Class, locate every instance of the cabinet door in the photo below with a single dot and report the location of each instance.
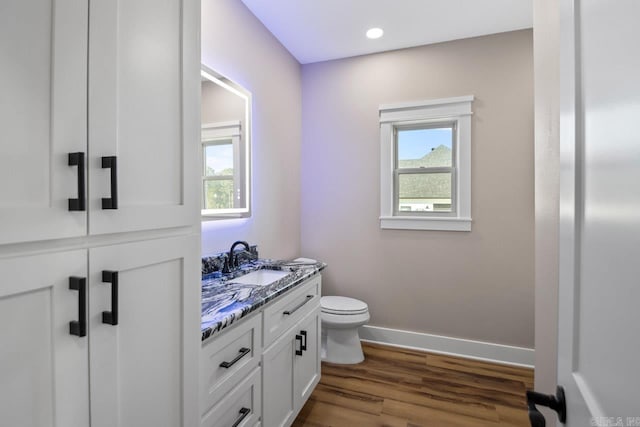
(144, 91)
(144, 368)
(43, 109)
(306, 368)
(44, 369)
(278, 400)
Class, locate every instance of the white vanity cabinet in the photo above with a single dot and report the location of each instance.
(291, 364)
(281, 343)
(291, 370)
(115, 85)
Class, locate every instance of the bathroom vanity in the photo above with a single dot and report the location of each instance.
(260, 357)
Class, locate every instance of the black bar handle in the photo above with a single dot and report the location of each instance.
(557, 403)
(243, 414)
(79, 204)
(79, 327)
(303, 344)
(243, 352)
(299, 352)
(298, 307)
(111, 162)
(111, 317)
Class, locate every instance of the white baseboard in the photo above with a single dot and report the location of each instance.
(478, 350)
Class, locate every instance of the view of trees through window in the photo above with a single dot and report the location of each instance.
(219, 192)
(424, 170)
(218, 178)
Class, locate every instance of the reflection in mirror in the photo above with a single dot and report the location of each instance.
(226, 159)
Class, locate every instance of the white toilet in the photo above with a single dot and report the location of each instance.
(341, 317)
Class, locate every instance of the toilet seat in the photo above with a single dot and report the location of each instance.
(342, 306)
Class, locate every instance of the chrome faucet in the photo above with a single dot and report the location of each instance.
(232, 259)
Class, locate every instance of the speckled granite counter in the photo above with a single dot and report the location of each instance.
(225, 302)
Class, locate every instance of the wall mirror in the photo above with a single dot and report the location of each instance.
(225, 147)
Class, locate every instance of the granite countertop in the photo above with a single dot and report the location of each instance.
(225, 302)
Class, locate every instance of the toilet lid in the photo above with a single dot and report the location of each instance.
(342, 305)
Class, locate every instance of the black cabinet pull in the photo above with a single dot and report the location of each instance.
(111, 317)
(298, 307)
(111, 162)
(79, 327)
(303, 344)
(79, 204)
(243, 414)
(557, 403)
(298, 338)
(243, 352)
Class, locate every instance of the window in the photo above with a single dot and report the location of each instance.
(426, 165)
(221, 181)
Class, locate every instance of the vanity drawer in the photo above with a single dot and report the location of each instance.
(241, 407)
(283, 313)
(226, 359)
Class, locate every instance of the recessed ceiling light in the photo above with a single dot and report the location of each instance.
(374, 33)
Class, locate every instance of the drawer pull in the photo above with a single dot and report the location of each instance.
(243, 414)
(243, 352)
(303, 344)
(299, 338)
(298, 307)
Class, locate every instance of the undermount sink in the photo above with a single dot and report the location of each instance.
(260, 277)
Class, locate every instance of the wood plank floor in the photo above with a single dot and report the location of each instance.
(397, 387)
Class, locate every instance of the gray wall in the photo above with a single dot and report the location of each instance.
(220, 105)
(546, 38)
(477, 285)
(238, 46)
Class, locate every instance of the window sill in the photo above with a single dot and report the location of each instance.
(213, 215)
(423, 223)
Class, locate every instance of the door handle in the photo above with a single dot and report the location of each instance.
(79, 204)
(303, 344)
(557, 403)
(79, 327)
(111, 162)
(111, 317)
(298, 338)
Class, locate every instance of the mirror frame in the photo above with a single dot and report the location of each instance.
(235, 88)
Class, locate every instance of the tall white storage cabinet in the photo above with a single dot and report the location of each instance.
(44, 370)
(43, 117)
(99, 215)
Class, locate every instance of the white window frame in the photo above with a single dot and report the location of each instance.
(213, 134)
(455, 110)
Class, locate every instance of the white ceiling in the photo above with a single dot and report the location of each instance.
(319, 30)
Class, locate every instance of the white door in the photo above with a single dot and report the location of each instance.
(600, 212)
(44, 369)
(144, 114)
(43, 109)
(144, 333)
